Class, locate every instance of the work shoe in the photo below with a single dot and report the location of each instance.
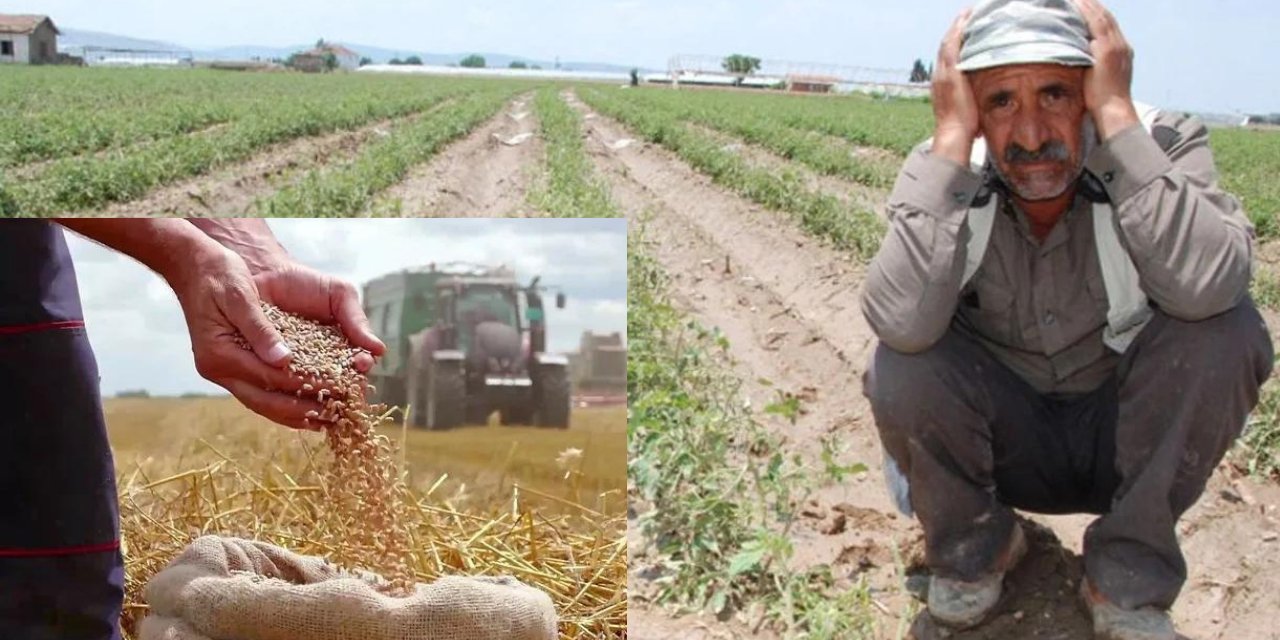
(960, 605)
(1111, 622)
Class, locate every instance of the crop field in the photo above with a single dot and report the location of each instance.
(142, 142)
(203, 142)
(544, 505)
(755, 494)
(755, 467)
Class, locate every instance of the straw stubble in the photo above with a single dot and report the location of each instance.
(253, 483)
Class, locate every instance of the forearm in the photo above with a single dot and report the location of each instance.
(1190, 241)
(914, 282)
(171, 247)
(249, 238)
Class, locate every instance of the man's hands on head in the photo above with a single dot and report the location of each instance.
(955, 110)
(1107, 83)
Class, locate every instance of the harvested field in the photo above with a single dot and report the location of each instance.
(192, 466)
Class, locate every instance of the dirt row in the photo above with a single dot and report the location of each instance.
(485, 173)
(789, 307)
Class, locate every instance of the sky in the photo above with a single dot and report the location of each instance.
(138, 334)
(1200, 55)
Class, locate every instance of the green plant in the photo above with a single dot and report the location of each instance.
(1258, 450)
(786, 405)
(720, 496)
(569, 186)
(834, 470)
(762, 126)
(1265, 289)
(282, 108)
(845, 226)
(741, 65)
(351, 188)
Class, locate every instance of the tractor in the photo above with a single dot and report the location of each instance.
(465, 341)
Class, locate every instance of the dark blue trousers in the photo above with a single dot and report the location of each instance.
(61, 572)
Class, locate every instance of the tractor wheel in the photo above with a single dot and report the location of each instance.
(446, 396)
(553, 398)
(415, 395)
(392, 392)
(478, 415)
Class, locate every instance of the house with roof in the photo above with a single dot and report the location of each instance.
(314, 59)
(810, 83)
(348, 60)
(28, 39)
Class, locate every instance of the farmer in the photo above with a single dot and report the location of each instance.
(61, 575)
(1062, 308)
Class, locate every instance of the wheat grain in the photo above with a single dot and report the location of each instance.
(366, 488)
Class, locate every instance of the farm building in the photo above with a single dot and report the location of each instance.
(28, 39)
(308, 61)
(119, 57)
(811, 84)
(599, 369)
(313, 60)
(348, 60)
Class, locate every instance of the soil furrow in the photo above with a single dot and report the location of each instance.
(485, 174)
(235, 190)
(843, 189)
(788, 307)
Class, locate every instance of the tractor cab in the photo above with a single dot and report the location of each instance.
(466, 305)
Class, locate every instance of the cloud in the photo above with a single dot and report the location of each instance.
(140, 336)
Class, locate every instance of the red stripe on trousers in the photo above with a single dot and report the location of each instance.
(42, 326)
(60, 551)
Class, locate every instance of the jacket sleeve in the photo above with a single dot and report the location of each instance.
(1190, 241)
(913, 284)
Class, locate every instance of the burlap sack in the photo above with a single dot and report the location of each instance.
(233, 589)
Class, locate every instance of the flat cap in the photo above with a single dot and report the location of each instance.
(1005, 32)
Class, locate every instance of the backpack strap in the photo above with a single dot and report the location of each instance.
(1128, 310)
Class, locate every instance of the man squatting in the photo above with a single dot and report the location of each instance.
(1063, 313)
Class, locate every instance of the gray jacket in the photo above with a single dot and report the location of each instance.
(1042, 308)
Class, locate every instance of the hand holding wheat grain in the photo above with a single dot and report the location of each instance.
(220, 298)
(306, 292)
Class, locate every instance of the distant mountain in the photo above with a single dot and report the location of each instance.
(382, 55)
(77, 38)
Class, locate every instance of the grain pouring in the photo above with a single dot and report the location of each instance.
(369, 492)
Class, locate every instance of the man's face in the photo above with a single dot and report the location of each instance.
(1032, 117)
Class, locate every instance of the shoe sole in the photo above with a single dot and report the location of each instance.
(1016, 556)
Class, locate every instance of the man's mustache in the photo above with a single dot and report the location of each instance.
(1053, 150)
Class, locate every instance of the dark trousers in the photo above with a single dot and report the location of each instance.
(61, 575)
(975, 441)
